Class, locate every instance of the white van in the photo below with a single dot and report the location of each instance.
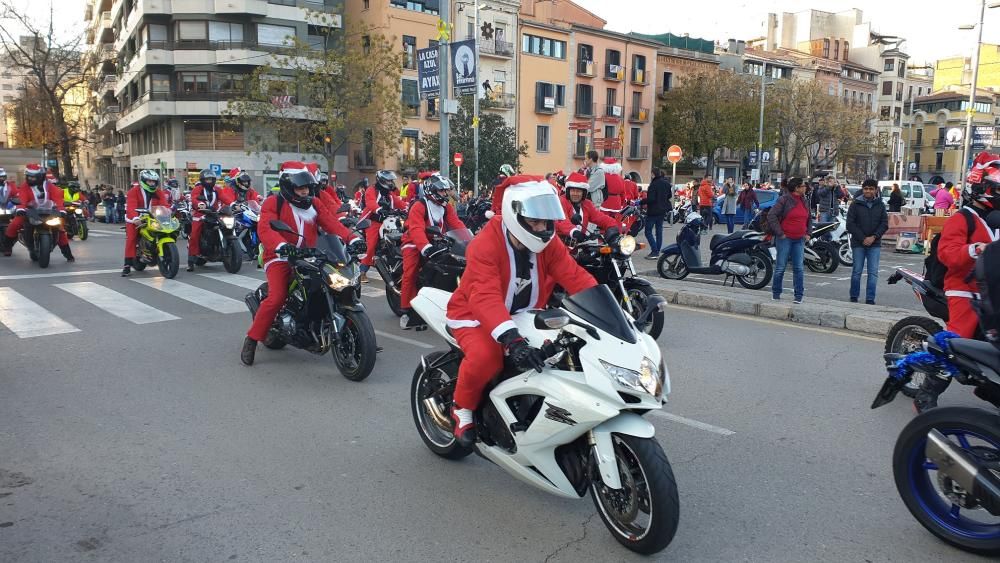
(913, 192)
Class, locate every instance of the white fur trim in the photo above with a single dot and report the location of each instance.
(502, 328)
(581, 185)
(958, 293)
(453, 323)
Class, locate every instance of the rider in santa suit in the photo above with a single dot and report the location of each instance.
(432, 210)
(241, 184)
(36, 190)
(7, 189)
(377, 202)
(144, 196)
(513, 264)
(215, 199)
(295, 207)
(958, 250)
(499, 185)
(581, 212)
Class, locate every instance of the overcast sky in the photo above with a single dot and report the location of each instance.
(929, 26)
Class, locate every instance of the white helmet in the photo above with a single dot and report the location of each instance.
(533, 199)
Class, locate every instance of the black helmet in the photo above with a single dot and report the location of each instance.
(207, 178)
(171, 183)
(437, 189)
(385, 181)
(323, 179)
(243, 181)
(292, 179)
(73, 186)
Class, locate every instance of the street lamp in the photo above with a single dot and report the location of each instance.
(760, 128)
(969, 111)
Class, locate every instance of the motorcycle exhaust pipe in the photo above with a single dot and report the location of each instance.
(961, 467)
(432, 408)
(383, 271)
(735, 268)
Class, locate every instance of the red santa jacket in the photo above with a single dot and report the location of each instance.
(616, 189)
(631, 191)
(955, 251)
(420, 217)
(30, 198)
(7, 190)
(216, 199)
(328, 196)
(249, 195)
(304, 221)
(590, 214)
(138, 198)
(374, 200)
(486, 293)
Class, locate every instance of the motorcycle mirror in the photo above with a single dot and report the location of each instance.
(363, 224)
(280, 226)
(551, 319)
(433, 231)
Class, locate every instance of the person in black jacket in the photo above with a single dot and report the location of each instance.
(657, 203)
(867, 221)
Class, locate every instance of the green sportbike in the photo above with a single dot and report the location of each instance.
(157, 241)
(76, 222)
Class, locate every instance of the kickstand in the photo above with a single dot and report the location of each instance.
(730, 279)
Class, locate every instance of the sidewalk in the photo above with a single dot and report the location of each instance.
(873, 320)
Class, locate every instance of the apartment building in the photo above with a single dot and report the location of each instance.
(167, 71)
(939, 130)
(11, 86)
(957, 70)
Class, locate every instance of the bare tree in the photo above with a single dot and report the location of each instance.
(55, 74)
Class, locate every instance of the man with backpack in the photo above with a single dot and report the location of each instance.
(953, 258)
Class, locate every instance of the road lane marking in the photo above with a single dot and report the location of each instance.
(235, 279)
(409, 341)
(58, 274)
(117, 304)
(196, 295)
(693, 423)
(28, 319)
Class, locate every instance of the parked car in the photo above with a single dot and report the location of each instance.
(853, 189)
(767, 199)
(913, 192)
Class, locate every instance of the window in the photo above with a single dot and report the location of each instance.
(613, 64)
(585, 52)
(611, 95)
(432, 108)
(228, 82)
(826, 48)
(846, 47)
(432, 43)
(668, 81)
(902, 69)
(156, 34)
(909, 93)
(887, 88)
(8, 98)
(938, 160)
(830, 90)
(638, 68)
(410, 52)
(884, 113)
(542, 138)
(268, 34)
(920, 137)
(8, 87)
(940, 139)
(366, 44)
(189, 83)
(899, 91)
(317, 37)
(545, 97)
(609, 133)
(159, 83)
(836, 49)
(633, 139)
(584, 100)
(411, 98)
(560, 95)
(869, 100)
(365, 4)
(889, 64)
(543, 46)
(411, 142)
(896, 115)
(191, 31)
(580, 149)
(425, 6)
(499, 81)
(916, 160)
(225, 32)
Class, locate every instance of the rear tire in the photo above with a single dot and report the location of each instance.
(765, 269)
(355, 356)
(672, 267)
(829, 259)
(845, 253)
(44, 249)
(439, 440)
(906, 336)
(648, 488)
(393, 299)
(170, 262)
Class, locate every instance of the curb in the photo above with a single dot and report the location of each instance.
(870, 320)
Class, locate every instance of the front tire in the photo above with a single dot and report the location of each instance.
(672, 267)
(637, 294)
(170, 262)
(427, 384)
(643, 514)
(233, 259)
(44, 249)
(354, 351)
(764, 269)
(977, 432)
(84, 230)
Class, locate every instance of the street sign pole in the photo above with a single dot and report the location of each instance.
(445, 10)
(674, 155)
(673, 174)
(475, 108)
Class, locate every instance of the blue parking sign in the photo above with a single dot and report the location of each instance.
(216, 169)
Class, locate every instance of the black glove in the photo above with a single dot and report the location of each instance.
(434, 247)
(358, 246)
(524, 356)
(285, 250)
(576, 219)
(21, 212)
(579, 235)
(611, 235)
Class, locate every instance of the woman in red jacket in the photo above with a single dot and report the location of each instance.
(790, 222)
(295, 207)
(512, 265)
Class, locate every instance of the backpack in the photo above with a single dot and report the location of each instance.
(988, 305)
(934, 270)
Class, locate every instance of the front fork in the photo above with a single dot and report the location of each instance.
(621, 286)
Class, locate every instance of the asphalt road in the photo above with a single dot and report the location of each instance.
(151, 442)
(836, 285)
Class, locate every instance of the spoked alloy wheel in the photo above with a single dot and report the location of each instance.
(761, 270)
(431, 384)
(672, 267)
(354, 351)
(643, 514)
(637, 295)
(845, 253)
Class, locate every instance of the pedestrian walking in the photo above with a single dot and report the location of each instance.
(896, 199)
(657, 202)
(747, 201)
(867, 221)
(729, 205)
(790, 222)
(109, 206)
(706, 202)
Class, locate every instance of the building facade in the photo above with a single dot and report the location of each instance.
(956, 71)
(939, 130)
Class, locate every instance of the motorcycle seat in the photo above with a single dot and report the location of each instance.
(719, 239)
(982, 352)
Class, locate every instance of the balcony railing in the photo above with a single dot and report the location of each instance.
(363, 160)
(498, 101)
(639, 76)
(614, 111)
(496, 48)
(614, 72)
(585, 68)
(639, 115)
(638, 152)
(613, 153)
(584, 109)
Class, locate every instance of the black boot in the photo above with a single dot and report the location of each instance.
(190, 267)
(67, 253)
(6, 244)
(128, 268)
(927, 396)
(249, 351)
(411, 319)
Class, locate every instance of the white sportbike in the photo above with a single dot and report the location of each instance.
(577, 425)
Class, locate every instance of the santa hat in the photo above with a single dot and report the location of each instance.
(424, 174)
(611, 165)
(235, 172)
(293, 166)
(577, 180)
(517, 179)
(33, 168)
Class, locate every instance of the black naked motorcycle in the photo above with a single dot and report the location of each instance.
(388, 256)
(442, 269)
(40, 232)
(323, 312)
(218, 238)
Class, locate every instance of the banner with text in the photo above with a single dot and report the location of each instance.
(463, 61)
(430, 78)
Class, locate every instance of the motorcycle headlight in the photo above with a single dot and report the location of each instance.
(79, 212)
(228, 222)
(154, 224)
(647, 379)
(53, 222)
(336, 281)
(627, 245)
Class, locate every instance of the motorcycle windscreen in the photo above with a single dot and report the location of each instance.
(598, 307)
(461, 239)
(333, 247)
(161, 213)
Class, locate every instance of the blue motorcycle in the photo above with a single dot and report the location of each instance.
(742, 256)
(246, 228)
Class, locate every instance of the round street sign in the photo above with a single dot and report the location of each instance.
(674, 154)
(457, 159)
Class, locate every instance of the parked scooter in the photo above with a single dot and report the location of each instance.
(742, 256)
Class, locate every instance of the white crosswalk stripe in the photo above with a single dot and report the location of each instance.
(28, 319)
(116, 303)
(235, 279)
(196, 295)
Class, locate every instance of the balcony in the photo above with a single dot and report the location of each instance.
(545, 105)
(498, 101)
(107, 52)
(363, 160)
(614, 111)
(496, 48)
(109, 82)
(585, 68)
(584, 109)
(639, 77)
(638, 152)
(639, 115)
(613, 72)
